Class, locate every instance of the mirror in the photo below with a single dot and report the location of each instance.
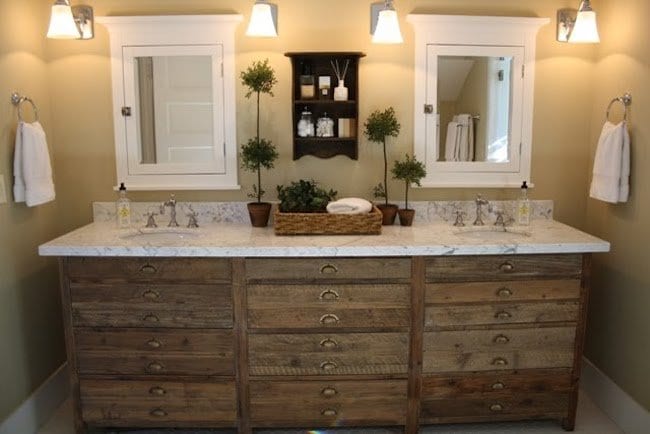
(474, 108)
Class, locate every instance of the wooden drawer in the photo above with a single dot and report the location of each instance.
(328, 403)
(502, 267)
(148, 305)
(504, 349)
(500, 313)
(200, 270)
(158, 404)
(330, 306)
(328, 354)
(317, 269)
(178, 352)
(487, 292)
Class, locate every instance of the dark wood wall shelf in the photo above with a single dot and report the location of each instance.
(320, 65)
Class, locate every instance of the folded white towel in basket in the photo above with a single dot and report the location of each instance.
(349, 205)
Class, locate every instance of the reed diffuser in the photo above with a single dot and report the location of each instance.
(340, 91)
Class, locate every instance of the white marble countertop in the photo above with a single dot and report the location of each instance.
(242, 240)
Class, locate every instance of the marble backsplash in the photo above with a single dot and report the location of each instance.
(236, 212)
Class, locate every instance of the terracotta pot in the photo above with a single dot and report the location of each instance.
(406, 216)
(259, 213)
(388, 212)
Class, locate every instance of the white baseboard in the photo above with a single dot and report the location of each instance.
(628, 414)
(40, 406)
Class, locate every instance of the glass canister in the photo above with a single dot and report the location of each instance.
(306, 124)
(325, 126)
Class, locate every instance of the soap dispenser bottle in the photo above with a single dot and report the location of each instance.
(123, 208)
(523, 206)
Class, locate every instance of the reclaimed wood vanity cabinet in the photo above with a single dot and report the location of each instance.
(320, 342)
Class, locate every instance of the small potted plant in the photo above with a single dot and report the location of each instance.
(304, 196)
(258, 153)
(411, 171)
(379, 126)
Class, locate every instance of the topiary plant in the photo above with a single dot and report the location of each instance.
(411, 171)
(379, 126)
(304, 196)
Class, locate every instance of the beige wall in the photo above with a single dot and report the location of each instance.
(31, 344)
(619, 324)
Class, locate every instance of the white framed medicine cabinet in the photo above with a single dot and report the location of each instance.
(173, 80)
(474, 85)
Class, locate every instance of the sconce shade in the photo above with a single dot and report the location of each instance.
(62, 25)
(387, 30)
(585, 29)
(262, 23)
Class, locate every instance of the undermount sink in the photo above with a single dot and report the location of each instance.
(162, 235)
(492, 233)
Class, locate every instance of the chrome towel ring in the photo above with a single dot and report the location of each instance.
(626, 100)
(17, 100)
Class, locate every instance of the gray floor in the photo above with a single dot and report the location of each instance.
(590, 420)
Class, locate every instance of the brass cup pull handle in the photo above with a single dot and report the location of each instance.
(329, 412)
(329, 294)
(498, 386)
(154, 367)
(150, 294)
(500, 361)
(148, 269)
(329, 319)
(507, 267)
(328, 269)
(151, 318)
(156, 390)
(328, 392)
(502, 314)
(501, 339)
(329, 343)
(328, 366)
(158, 412)
(504, 292)
(154, 343)
(496, 407)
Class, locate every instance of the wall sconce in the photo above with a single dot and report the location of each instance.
(264, 20)
(577, 26)
(68, 22)
(384, 25)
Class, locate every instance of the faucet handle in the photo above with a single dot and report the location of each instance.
(151, 222)
(192, 215)
(459, 218)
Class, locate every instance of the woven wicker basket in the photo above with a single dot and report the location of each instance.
(327, 224)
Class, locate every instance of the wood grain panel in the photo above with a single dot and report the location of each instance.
(158, 403)
(145, 363)
(328, 403)
(112, 270)
(328, 354)
(484, 350)
(500, 313)
(487, 292)
(502, 267)
(320, 269)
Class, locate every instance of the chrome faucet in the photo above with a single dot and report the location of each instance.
(503, 220)
(479, 214)
(171, 203)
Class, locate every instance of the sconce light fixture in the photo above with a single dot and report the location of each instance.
(264, 20)
(68, 22)
(577, 26)
(384, 25)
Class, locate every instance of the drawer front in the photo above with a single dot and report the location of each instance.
(328, 403)
(157, 404)
(504, 349)
(317, 269)
(330, 306)
(328, 354)
(500, 313)
(502, 267)
(487, 292)
(201, 270)
(141, 305)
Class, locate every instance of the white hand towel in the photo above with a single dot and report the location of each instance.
(611, 164)
(451, 143)
(466, 139)
(32, 170)
(349, 205)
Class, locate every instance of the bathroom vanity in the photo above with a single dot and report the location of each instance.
(231, 326)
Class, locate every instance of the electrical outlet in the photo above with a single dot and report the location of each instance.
(3, 192)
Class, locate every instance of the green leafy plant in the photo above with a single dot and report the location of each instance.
(409, 170)
(304, 196)
(379, 126)
(258, 153)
